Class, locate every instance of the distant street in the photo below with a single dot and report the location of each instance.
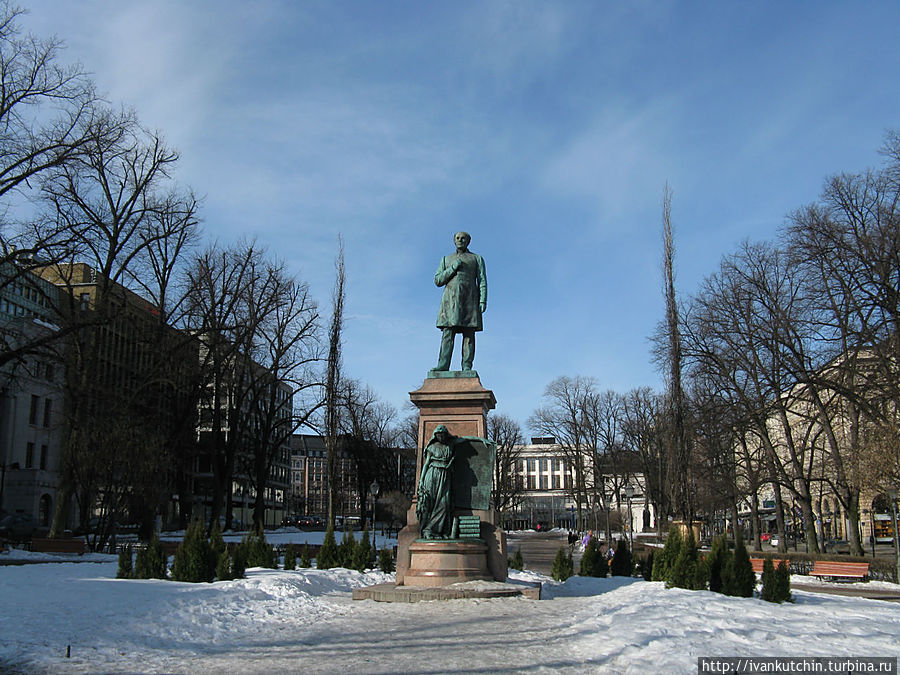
(538, 549)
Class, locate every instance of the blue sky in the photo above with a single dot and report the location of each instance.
(545, 129)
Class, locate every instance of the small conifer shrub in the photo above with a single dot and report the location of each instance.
(347, 549)
(239, 562)
(516, 562)
(259, 552)
(151, 561)
(216, 547)
(562, 565)
(328, 552)
(363, 555)
(664, 559)
(688, 571)
(622, 563)
(593, 561)
(645, 566)
(768, 581)
(717, 561)
(124, 570)
(225, 567)
(783, 582)
(305, 556)
(740, 578)
(588, 556)
(290, 557)
(386, 560)
(193, 557)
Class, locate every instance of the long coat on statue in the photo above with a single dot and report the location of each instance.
(465, 290)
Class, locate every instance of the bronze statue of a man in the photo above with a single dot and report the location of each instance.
(464, 300)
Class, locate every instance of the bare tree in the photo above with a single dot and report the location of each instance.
(508, 489)
(644, 431)
(332, 381)
(562, 416)
(281, 399)
(108, 197)
(745, 334)
(679, 463)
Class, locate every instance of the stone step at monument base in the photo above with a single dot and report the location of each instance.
(471, 589)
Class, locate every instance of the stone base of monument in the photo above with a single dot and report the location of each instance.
(458, 591)
(445, 562)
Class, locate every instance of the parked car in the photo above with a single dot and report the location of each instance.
(17, 527)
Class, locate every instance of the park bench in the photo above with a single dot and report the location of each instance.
(758, 564)
(74, 545)
(840, 570)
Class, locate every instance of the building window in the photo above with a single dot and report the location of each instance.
(544, 481)
(33, 412)
(29, 455)
(48, 408)
(43, 458)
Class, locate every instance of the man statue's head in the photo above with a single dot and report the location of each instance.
(462, 239)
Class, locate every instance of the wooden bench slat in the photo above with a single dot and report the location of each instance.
(40, 545)
(829, 568)
(757, 564)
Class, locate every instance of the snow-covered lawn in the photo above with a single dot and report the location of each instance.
(305, 621)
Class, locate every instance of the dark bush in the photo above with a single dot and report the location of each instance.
(194, 561)
(305, 556)
(717, 561)
(347, 549)
(768, 581)
(258, 552)
(386, 560)
(125, 569)
(622, 563)
(740, 579)
(645, 566)
(562, 565)
(516, 562)
(783, 583)
(328, 553)
(290, 557)
(688, 571)
(363, 555)
(151, 561)
(225, 567)
(664, 559)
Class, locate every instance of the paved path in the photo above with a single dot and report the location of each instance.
(538, 549)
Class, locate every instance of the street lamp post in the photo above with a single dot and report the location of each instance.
(374, 489)
(892, 494)
(629, 493)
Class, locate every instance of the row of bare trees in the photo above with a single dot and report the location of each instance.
(790, 354)
(607, 439)
(150, 327)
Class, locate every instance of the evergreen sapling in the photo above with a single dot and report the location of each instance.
(622, 563)
(124, 570)
(328, 552)
(290, 557)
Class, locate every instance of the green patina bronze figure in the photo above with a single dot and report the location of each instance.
(435, 506)
(464, 300)
(456, 473)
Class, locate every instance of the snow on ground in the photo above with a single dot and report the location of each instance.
(306, 621)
